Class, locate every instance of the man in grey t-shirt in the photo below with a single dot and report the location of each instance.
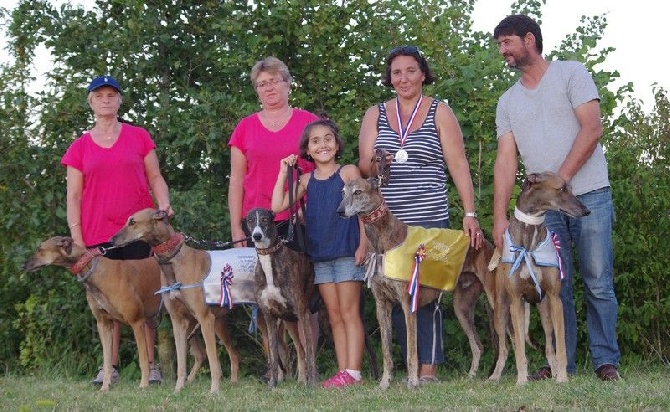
(551, 118)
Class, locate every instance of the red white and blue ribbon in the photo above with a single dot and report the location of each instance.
(226, 281)
(413, 285)
(404, 132)
(557, 245)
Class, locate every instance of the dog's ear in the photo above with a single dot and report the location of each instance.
(375, 160)
(65, 242)
(160, 215)
(381, 166)
(530, 180)
(374, 182)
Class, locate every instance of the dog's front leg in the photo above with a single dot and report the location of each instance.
(384, 307)
(412, 352)
(105, 326)
(180, 327)
(518, 323)
(140, 339)
(206, 321)
(273, 348)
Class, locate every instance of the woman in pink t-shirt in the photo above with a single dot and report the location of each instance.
(260, 141)
(112, 172)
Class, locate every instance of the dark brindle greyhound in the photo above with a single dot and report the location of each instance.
(527, 272)
(121, 290)
(284, 289)
(187, 266)
(385, 232)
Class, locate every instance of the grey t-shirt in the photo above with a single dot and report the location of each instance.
(545, 126)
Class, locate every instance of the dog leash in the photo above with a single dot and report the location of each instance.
(214, 245)
(104, 250)
(293, 212)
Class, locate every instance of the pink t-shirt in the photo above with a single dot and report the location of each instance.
(263, 150)
(115, 184)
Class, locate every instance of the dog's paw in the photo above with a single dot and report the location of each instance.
(412, 383)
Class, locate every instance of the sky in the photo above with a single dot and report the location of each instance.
(634, 29)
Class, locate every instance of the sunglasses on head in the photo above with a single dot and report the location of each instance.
(412, 50)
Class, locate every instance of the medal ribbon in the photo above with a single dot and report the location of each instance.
(413, 285)
(226, 282)
(404, 132)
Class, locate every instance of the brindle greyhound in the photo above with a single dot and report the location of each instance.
(121, 290)
(284, 290)
(476, 276)
(188, 267)
(536, 280)
(385, 232)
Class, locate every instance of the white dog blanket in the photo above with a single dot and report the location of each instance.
(231, 277)
(546, 253)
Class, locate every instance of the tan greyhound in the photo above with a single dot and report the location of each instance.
(121, 290)
(529, 271)
(189, 266)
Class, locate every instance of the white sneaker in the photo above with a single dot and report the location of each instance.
(155, 375)
(100, 375)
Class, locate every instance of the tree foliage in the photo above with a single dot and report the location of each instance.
(184, 67)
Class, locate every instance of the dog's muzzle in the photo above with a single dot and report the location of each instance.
(257, 234)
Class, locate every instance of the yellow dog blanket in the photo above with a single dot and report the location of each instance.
(445, 251)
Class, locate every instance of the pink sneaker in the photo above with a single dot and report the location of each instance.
(340, 380)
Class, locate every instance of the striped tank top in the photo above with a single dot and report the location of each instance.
(417, 190)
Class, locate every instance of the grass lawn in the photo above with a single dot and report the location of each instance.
(642, 388)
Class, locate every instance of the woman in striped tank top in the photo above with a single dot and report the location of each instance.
(422, 134)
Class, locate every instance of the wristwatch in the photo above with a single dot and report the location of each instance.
(471, 214)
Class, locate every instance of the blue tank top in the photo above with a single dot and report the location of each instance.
(330, 236)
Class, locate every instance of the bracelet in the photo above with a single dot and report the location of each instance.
(471, 214)
(74, 224)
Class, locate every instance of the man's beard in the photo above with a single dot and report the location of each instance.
(519, 60)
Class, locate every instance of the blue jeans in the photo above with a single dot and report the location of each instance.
(429, 340)
(591, 238)
(338, 270)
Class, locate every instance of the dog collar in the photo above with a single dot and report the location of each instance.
(376, 214)
(528, 219)
(85, 260)
(171, 245)
(271, 249)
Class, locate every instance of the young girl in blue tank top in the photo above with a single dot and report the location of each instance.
(337, 246)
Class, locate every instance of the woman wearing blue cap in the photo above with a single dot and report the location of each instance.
(112, 172)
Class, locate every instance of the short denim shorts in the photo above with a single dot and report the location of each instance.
(338, 270)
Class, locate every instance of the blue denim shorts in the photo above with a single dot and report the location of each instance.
(338, 270)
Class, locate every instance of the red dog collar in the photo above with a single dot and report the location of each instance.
(85, 260)
(376, 214)
(170, 245)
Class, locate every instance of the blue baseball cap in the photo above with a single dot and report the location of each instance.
(104, 81)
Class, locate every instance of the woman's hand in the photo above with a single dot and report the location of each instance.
(237, 234)
(472, 229)
(167, 209)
